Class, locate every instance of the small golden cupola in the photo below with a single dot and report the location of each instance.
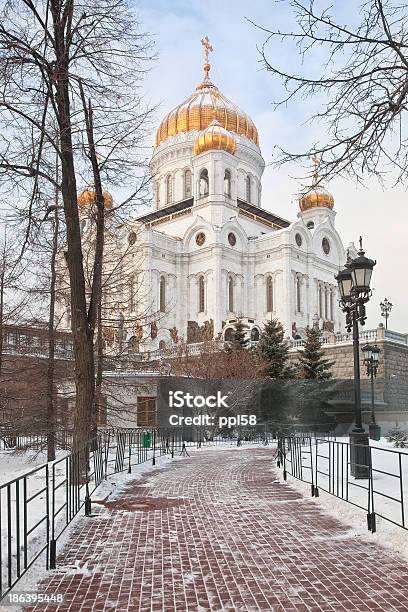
(87, 198)
(215, 137)
(316, 196)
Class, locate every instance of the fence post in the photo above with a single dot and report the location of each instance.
(53, 542)
(314, 490)
(401, 491)
(154, 447)
(371, 522)
(130, 455)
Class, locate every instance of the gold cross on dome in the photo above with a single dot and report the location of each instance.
(207, 47)
(316, 163)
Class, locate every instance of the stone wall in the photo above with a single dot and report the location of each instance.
(390, 386)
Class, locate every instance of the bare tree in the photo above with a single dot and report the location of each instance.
(360, 90)
(54, 55)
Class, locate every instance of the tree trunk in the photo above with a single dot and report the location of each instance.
(81, 331)
(2, 311)
(99, 405)
(51, 407)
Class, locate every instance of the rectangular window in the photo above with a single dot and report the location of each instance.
(146, 412)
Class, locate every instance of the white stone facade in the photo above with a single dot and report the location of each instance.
(210, 252)
(214, 258)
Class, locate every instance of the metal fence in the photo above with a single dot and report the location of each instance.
(35, 441)
(325, 465)
(37, 507)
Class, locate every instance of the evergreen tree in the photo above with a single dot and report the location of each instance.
(313, 366)
(239, 340)
(274, 350)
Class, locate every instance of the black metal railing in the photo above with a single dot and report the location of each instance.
(37, 507)
(325, 465)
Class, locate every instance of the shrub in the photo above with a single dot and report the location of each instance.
(398, 437)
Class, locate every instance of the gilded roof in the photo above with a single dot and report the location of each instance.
(215, 137)
(316, 196)
(199, 109)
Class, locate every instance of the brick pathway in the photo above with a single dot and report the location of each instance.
(216, 531)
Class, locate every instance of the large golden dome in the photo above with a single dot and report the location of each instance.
(215, 137)
(316, 196)
(197, 112)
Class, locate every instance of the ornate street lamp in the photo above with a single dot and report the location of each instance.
(354, 288)
(386, 307)
(371, 361)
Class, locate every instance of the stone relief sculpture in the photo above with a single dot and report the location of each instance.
(197, 333)
(174, 334)
(153, 330)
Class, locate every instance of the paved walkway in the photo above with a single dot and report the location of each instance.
(216, 531)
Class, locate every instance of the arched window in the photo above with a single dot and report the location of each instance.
(162, 345)
(248, 188)
(201, 294)
(229, 335)
(157, 188)
(269, 294)
(320, 302)
(231, 295)
(169, 189)
(254, 334)
(188, 179)
(331, 304)
(162, 296)
(298, 294)
(227, 183)
(132, 293)
(204, 183)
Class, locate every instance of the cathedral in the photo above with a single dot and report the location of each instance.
(210, 251)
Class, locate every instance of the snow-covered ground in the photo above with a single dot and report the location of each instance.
(390, 487)
(27, 507)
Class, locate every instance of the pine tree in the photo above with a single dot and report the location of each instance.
(274, 350)
(239, 340)
(313, 366)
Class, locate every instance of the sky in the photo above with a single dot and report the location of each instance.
(379, 214)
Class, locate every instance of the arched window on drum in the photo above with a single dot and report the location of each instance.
(188, 182)
(204, 182)
(169, 189)
(227, 183)
(248, 188)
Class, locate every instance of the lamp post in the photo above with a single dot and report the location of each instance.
(371, 360)
(354, 288)
(386, 307)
